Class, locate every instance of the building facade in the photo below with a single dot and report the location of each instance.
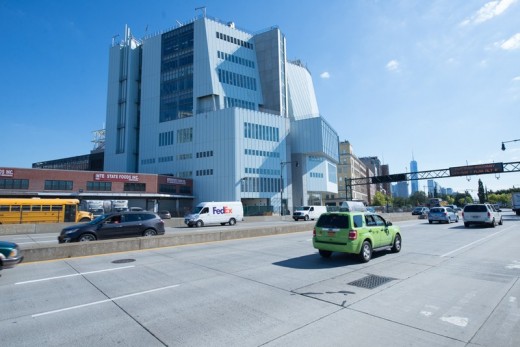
(351, 167)
(221, 106)
(149, 191)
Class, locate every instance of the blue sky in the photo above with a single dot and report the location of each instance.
(436, 79)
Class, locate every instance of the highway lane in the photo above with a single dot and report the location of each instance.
(28, 240)
(450, 286)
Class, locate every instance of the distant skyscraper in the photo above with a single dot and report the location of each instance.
(414, 176)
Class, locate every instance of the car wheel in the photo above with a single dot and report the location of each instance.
(501, 221)
(466, 225)
(149, 232)
(295, 219)
(232, 221)
(493, 223)
(396, 248)
(366, 252)
(457, 219)
(87, 237)
(199, 224)
(325, 254)
(84, 220)
(430, 222)
(306, 218)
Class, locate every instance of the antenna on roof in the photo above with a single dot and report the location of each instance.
(203, 8)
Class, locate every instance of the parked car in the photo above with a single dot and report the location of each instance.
(114, 225)
(165, 214)
(358, 233)
(420, 210)
(10, 255)
(481, 214)
(442, 214)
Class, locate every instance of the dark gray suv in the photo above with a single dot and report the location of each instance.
(114, 225)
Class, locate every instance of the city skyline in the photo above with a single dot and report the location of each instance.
(419, 73)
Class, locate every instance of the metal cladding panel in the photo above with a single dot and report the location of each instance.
(208, 61)
(314, 136)
(122, 109)
(302, 99)
(150, 126)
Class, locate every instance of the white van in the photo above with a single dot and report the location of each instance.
(215, 212)
(352, 205)
(309, 212)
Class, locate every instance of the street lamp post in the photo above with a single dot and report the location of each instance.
(282, 165)
(504, 147)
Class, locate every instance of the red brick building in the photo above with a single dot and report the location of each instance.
(149, 191)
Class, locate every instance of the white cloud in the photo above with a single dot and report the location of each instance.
(392, 65)
(512, 43)
(516, 79)
(490, 10)
(325, 75)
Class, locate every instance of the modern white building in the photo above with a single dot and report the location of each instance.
(221, 106)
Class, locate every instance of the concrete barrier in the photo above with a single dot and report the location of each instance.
(190, 236)
(70, 250)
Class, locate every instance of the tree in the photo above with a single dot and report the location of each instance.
(417, 198)
(379, 199)
(481, 193)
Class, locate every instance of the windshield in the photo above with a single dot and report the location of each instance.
(333, 221)
(196, 209)
(98, 219)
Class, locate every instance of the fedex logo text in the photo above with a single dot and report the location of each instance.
(224, 210)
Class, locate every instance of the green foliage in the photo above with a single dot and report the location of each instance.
(417, 199)
(379, 199)
(481, 192)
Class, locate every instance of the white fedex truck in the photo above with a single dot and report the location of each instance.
(215, 212)
(309, 212)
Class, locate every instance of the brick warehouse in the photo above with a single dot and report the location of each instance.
(149, 191)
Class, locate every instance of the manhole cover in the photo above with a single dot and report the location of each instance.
(122, 261)
(371, 281)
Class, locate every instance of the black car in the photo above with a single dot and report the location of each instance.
(114, 225)
(10, 254)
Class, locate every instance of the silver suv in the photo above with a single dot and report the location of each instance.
(481, 214)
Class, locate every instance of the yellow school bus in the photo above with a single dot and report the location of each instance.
(17, 211)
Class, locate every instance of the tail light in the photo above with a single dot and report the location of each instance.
(462, 214)
(352, 234)
(489, 214)
(314, 232)
(445, 214)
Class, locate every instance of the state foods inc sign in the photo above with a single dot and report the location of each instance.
(6, 173)
(116, 177)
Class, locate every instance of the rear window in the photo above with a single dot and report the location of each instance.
(333, 221)
(437, 209)
(475, 208)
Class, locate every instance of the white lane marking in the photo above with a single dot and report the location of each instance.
(102, 301)
(77, 274)
(33, 242)
(469, 244)
(426, 313)
(512, 299)
(515, 265)
(459, 321)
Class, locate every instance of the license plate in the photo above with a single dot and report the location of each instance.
(331, 233)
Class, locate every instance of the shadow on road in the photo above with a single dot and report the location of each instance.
(315, 261)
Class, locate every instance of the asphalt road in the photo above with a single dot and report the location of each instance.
(449, 286)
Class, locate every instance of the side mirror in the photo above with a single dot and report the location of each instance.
(388, 223)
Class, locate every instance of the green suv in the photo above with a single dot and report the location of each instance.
(355, 232)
